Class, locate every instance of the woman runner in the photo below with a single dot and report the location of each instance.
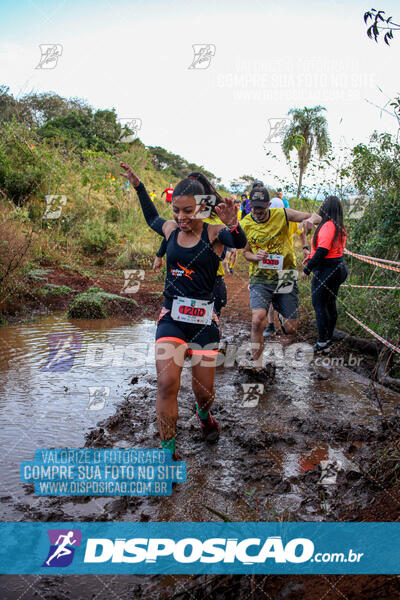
(187, 324)
(330, 271)
(220, 296)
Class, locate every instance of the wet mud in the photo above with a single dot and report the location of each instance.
(305, 451)
(305, 442)
(308, 444)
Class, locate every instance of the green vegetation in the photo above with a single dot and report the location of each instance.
(375, 170)
(97, 237)
(51, 289)
(95, 303)
(53, 146)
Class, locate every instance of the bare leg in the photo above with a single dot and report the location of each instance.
(203, 373)
(271, 313)
(258, 322)
(290, 326)
(169, 364)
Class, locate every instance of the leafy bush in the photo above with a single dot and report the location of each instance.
(97, 237)
(26, 167)
(377, 232)
(87, 306)
(35, 211)
(377, 166)
(112, 214)
(15, 252)
(95, 303)
(14, 247)
(376, 172)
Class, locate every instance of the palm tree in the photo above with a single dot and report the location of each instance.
(308, 130)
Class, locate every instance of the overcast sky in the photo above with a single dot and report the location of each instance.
(269, 56)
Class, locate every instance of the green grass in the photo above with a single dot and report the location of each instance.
(95, 303)
(51, 289)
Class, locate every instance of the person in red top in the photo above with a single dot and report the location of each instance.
(168, 193)
(330, 271)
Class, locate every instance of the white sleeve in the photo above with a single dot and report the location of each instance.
(276, 203)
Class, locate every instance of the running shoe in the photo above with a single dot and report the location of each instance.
(270, 330)
(209, 427)
(322, 347)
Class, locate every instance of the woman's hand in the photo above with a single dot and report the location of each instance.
(157, 264)
(305, 261)
(130, 175)
(304, 275)
(227, 212)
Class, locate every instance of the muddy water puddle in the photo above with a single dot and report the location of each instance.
(50, 392)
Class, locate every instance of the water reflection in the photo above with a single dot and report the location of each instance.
(51, 393)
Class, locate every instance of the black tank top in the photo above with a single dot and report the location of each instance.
(191, 272)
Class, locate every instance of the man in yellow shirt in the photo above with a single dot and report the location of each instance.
(272, 315)
(269, 250)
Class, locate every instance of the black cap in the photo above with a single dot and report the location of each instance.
(244, 196)
(257, 183)
(259, 196)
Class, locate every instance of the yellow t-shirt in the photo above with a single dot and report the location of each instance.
(274, 237)
(215, 220)
(294, 229)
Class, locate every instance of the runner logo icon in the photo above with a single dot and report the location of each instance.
(62, 547)
(63, 347)
(182, 271)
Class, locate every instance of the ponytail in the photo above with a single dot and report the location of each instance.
(197, 184)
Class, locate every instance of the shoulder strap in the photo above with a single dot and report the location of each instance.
(204, 233)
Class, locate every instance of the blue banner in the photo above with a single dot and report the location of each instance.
(114, 472)
(191, 548)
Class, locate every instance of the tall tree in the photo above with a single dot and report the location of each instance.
(177, 166)
(85, 128)
(241, 184)
(307, 132)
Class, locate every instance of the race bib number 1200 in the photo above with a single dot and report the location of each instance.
(273, 261)
(194, 311)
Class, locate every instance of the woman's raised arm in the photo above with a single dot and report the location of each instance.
(150, 213)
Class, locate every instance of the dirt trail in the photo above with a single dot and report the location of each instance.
(310, 449)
